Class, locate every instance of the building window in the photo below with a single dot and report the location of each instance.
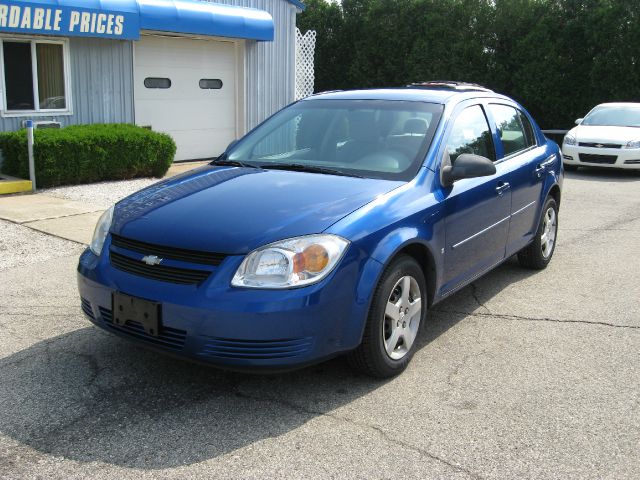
(155, 82)
(211, 84)
(34, 76)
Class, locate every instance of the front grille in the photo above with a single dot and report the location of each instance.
(589, 158)
(157, 272)
(85, 305)
(180, 254)
(632, 162)
(169, 338)
(256, 349)
(599, 145)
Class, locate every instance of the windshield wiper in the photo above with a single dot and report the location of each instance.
(224, 161)
(299, 167)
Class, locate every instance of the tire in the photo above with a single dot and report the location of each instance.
(571, 168)
(537, 254)
(388, 341)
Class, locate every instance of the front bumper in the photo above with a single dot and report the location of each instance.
(238, 328)
(627, 158)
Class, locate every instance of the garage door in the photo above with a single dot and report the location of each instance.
(187, 88)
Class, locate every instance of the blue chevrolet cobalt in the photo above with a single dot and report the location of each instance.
(331, 228)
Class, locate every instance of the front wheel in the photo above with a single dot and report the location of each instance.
(399, 306)
(537, 255)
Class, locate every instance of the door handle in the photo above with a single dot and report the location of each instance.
(502, 187)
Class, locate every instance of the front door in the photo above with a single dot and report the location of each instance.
(477, 210)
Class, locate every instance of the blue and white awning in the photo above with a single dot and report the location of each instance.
(123, 19)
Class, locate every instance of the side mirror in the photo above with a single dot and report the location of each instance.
(467, 165)
(579, 121)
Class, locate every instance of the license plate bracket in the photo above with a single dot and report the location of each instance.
(145, 312)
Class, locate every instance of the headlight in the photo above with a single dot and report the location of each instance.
(101, 231)
(633, 144)
(291, 263)
(569, 140)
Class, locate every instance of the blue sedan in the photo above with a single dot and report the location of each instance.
(329, 229)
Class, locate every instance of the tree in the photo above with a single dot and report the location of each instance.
(557, 57)
(331, 53)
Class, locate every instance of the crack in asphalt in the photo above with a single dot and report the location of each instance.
(37, 350)
(474, 294)
(93, 365)
(380, 431)
(465, 359)
(463, 363)
(625, 219)
(535, 319)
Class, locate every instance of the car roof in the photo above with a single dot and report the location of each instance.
(422, 94)
(619, 104)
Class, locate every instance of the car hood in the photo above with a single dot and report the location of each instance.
(235, 210)
(603, 134)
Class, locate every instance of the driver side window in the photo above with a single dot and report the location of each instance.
(470, 134)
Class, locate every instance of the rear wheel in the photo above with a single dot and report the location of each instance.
(398, 308)
(537, 255)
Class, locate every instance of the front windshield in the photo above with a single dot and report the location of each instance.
(614, 116)
(368, 138)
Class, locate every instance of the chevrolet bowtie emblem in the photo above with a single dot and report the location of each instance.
(152, 260)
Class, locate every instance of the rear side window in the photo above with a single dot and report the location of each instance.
(470, 134)
(514, 129)
(528, 130)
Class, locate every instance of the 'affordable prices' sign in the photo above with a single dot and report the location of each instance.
(45, 19)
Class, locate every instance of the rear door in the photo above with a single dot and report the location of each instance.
(477, 210)
(519, 152)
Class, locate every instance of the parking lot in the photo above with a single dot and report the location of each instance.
(523, 374)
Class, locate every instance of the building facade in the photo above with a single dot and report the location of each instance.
(200, 71)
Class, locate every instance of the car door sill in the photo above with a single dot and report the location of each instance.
(467, 282)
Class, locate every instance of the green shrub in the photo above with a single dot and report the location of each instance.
(88, 153)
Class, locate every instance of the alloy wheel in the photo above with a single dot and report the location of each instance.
(549, 230)
(402, 317)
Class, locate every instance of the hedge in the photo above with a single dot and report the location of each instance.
(88, 153)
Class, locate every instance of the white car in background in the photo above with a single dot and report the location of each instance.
(609, 136)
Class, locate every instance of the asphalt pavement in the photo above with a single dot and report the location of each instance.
(522, 375)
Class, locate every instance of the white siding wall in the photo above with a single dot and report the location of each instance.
(269, 66)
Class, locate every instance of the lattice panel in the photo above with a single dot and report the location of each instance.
(305, 49)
